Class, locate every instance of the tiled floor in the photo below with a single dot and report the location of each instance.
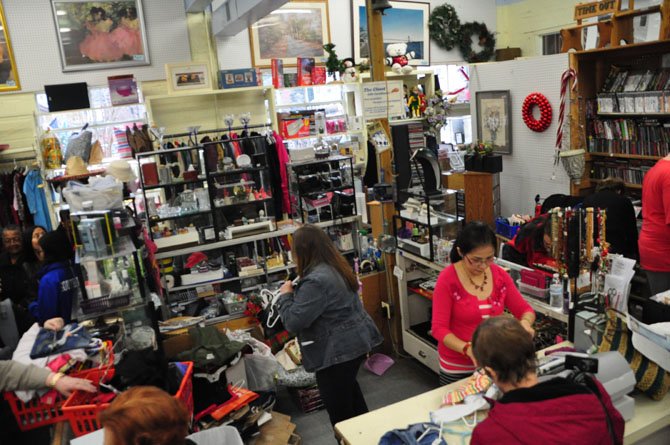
(406, 378)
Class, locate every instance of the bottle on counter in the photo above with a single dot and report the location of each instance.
(556, 292)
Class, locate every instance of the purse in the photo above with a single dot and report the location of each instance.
(79, 145)
(651, 379)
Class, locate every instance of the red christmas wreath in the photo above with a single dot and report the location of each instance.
(531, 101)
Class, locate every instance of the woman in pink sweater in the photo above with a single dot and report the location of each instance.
(472, 289)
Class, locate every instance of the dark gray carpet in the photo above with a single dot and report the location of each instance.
(406, 378)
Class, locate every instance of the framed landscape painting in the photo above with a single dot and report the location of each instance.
(297, 29)
(94, 35)
(405, 22)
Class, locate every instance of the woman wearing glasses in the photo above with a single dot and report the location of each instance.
(472, 289)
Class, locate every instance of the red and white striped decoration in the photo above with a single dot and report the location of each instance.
(565, 79)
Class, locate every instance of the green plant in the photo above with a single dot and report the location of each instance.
(333, 64)
(480, 149)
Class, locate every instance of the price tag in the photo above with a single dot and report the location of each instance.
(398, 272)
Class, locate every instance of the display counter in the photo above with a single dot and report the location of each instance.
(367, 429)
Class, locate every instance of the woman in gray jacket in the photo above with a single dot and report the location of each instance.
(334, 331)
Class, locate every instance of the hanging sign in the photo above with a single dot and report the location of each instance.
(383, 99)
(594, 9)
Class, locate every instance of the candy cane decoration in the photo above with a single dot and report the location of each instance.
(565, 78)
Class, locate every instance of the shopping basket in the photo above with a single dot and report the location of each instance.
(35, 413)
(83, 415)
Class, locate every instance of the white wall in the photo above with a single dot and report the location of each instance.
(528, 170)
(234, 52)
(33, 34)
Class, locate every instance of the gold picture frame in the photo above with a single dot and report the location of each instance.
(9, 76)
(277, 35)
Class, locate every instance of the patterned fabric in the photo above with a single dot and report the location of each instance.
(477, 383)
(121, 148)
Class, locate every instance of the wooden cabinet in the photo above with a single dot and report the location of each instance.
(482, 194)
(626, 141)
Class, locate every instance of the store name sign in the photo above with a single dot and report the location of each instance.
(593, 9)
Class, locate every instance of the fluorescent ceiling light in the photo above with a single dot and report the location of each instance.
(64, 30)
(61, 12)
(291, 11)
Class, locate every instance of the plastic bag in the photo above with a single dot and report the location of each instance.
(51, 151)
(261, 371)
(104, 194)
(79, 145)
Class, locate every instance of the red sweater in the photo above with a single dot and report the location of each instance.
(553, 412)
(654, 241)
(455, 311)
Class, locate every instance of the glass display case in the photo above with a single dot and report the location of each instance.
(323, 189)
(427, 224)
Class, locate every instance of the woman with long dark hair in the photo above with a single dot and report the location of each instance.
(472, 289)
(334, 331)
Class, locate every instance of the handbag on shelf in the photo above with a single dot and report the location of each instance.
(80, 145)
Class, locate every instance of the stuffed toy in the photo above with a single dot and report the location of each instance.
(349, 74)
(398, 58)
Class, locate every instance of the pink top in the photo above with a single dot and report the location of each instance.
(458, 312)
(654, 241)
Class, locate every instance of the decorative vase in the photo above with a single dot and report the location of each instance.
(574, 164)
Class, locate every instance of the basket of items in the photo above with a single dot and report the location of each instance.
(82, 409)
(48, 409)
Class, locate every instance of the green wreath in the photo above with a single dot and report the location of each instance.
(486, 40)
(444, 27)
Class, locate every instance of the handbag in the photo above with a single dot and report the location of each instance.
(651, 379)
(79, 145)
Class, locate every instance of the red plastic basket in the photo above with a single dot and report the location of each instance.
(83, 416)
(35, 414)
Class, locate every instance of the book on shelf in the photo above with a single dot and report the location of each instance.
(620, 80)
(630, 171)
(646, 137)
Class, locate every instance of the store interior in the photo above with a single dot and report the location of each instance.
(162, 162)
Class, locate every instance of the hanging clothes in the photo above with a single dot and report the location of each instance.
(33, 187)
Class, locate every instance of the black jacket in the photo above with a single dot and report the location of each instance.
(621, 224)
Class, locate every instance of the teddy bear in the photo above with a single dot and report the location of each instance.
(398, 57)
(349, 74)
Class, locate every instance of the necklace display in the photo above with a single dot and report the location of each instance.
(479, 287)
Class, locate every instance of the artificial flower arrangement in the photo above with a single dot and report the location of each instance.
(435, 114)
(480, 157)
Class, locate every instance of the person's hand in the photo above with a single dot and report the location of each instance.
(66, 385)
(54, 324)
(528, 327)
(286, 288)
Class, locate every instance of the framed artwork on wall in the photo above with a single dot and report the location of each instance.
(405, 22)
(494, 123)
(300, 28)
(188, 76)
(95, 35)
(9, 78)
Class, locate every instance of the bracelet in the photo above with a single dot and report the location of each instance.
(466, 347)
(55, 379)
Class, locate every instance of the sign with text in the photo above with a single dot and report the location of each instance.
(383, 99)
(594, 9)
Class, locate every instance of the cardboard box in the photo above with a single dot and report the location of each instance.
(237, 78)
(277, 66)
(305, 66)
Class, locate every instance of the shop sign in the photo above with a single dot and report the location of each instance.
(593, 9)
(383, 99)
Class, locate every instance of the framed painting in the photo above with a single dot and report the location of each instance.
(494, 123)
(405, 22)
(9, 78)
(100, 34)
(297, 29)
(188, 76)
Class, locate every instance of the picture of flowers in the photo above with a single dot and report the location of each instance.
(297, 29)
(101, 34)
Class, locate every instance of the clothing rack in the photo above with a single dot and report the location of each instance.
(24, 158)
(216, 130)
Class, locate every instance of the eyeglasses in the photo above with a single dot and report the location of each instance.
(481, 261)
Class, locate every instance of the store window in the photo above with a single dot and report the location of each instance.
(551, 44)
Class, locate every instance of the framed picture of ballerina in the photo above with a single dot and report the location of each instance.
(101, 34)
